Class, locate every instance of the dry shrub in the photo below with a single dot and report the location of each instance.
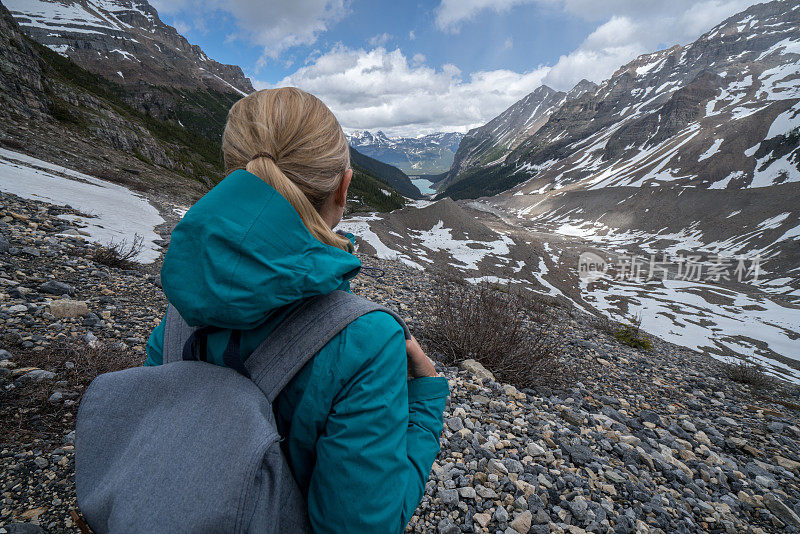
(120, 254)
(747, 371)
(507, 331)
(26, 414)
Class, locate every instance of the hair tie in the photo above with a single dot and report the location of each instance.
(264, 155)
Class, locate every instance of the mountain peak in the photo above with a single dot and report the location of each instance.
(125, 41)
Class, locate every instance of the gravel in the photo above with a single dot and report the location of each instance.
(654, 441)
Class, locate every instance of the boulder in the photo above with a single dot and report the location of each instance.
(476, 369)
(66, 308)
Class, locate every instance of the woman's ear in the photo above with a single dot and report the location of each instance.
(341, 191)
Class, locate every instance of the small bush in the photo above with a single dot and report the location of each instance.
(25, 412)
(499, 326)
(632, 336)
(746, 371)
(119, 255)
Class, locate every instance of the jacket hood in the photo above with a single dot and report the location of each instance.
(241, 252)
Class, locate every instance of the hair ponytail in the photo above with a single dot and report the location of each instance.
(292, 141)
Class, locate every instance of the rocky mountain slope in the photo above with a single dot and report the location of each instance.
(718, 113)
(689, 150)
(389, 174)
(626, 441)
(58, 111)
(428, 154)
(54, 108)
(490, 144)
(126, 42)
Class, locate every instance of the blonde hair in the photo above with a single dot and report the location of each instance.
(292, 141)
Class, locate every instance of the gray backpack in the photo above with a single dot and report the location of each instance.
(190, 446)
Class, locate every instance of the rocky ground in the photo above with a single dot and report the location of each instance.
(635, 442)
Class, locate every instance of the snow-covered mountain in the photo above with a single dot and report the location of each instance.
(491, 143)
(428, 154)
(677, 117)
(126, 41)
(693, 148)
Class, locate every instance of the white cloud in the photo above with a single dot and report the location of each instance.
(633, 28)
(451, 13)
(380, 89)
(509, 44)
(182, 27)
(412, 35)
(379, 40)
(276, 25)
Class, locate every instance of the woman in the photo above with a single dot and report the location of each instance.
(361, 421)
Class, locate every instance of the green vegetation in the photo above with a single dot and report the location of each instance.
(632, 336)
(203, 111)
(367, 193)
(194, 150)
(385, 173)
(484, 182)
(195, 141)
(491, 154)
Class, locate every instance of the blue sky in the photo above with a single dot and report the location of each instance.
(411, 68)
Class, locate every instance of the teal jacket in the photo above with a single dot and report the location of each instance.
(359, 438)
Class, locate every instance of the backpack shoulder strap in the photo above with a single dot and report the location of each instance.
(303, 334)
(176, 333)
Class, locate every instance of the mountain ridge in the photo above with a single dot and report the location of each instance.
(665, 82)
(426, 154)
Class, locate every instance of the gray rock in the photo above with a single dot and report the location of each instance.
(40, 462)
(572, 417)
(497, 467)
(454, 423)
(534, 449)
(513, 466)
(501, 515)
(56, 397)
(579, 508)
(4, 355)
(448, 497)
(486, 493)
(580, 454)
(478, 370)
(781, 511)
(446, 526)
(467, 492)
(37, 375)
(4, 244)
(54, 287)
(727, 421)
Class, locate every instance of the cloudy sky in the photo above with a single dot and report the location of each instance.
(416, 67)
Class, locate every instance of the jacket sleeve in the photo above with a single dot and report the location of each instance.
(155, 345)
(379, 442)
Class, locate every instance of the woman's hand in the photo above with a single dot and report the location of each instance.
(419, 365)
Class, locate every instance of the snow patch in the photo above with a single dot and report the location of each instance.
(116, 213)
(711, 151)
